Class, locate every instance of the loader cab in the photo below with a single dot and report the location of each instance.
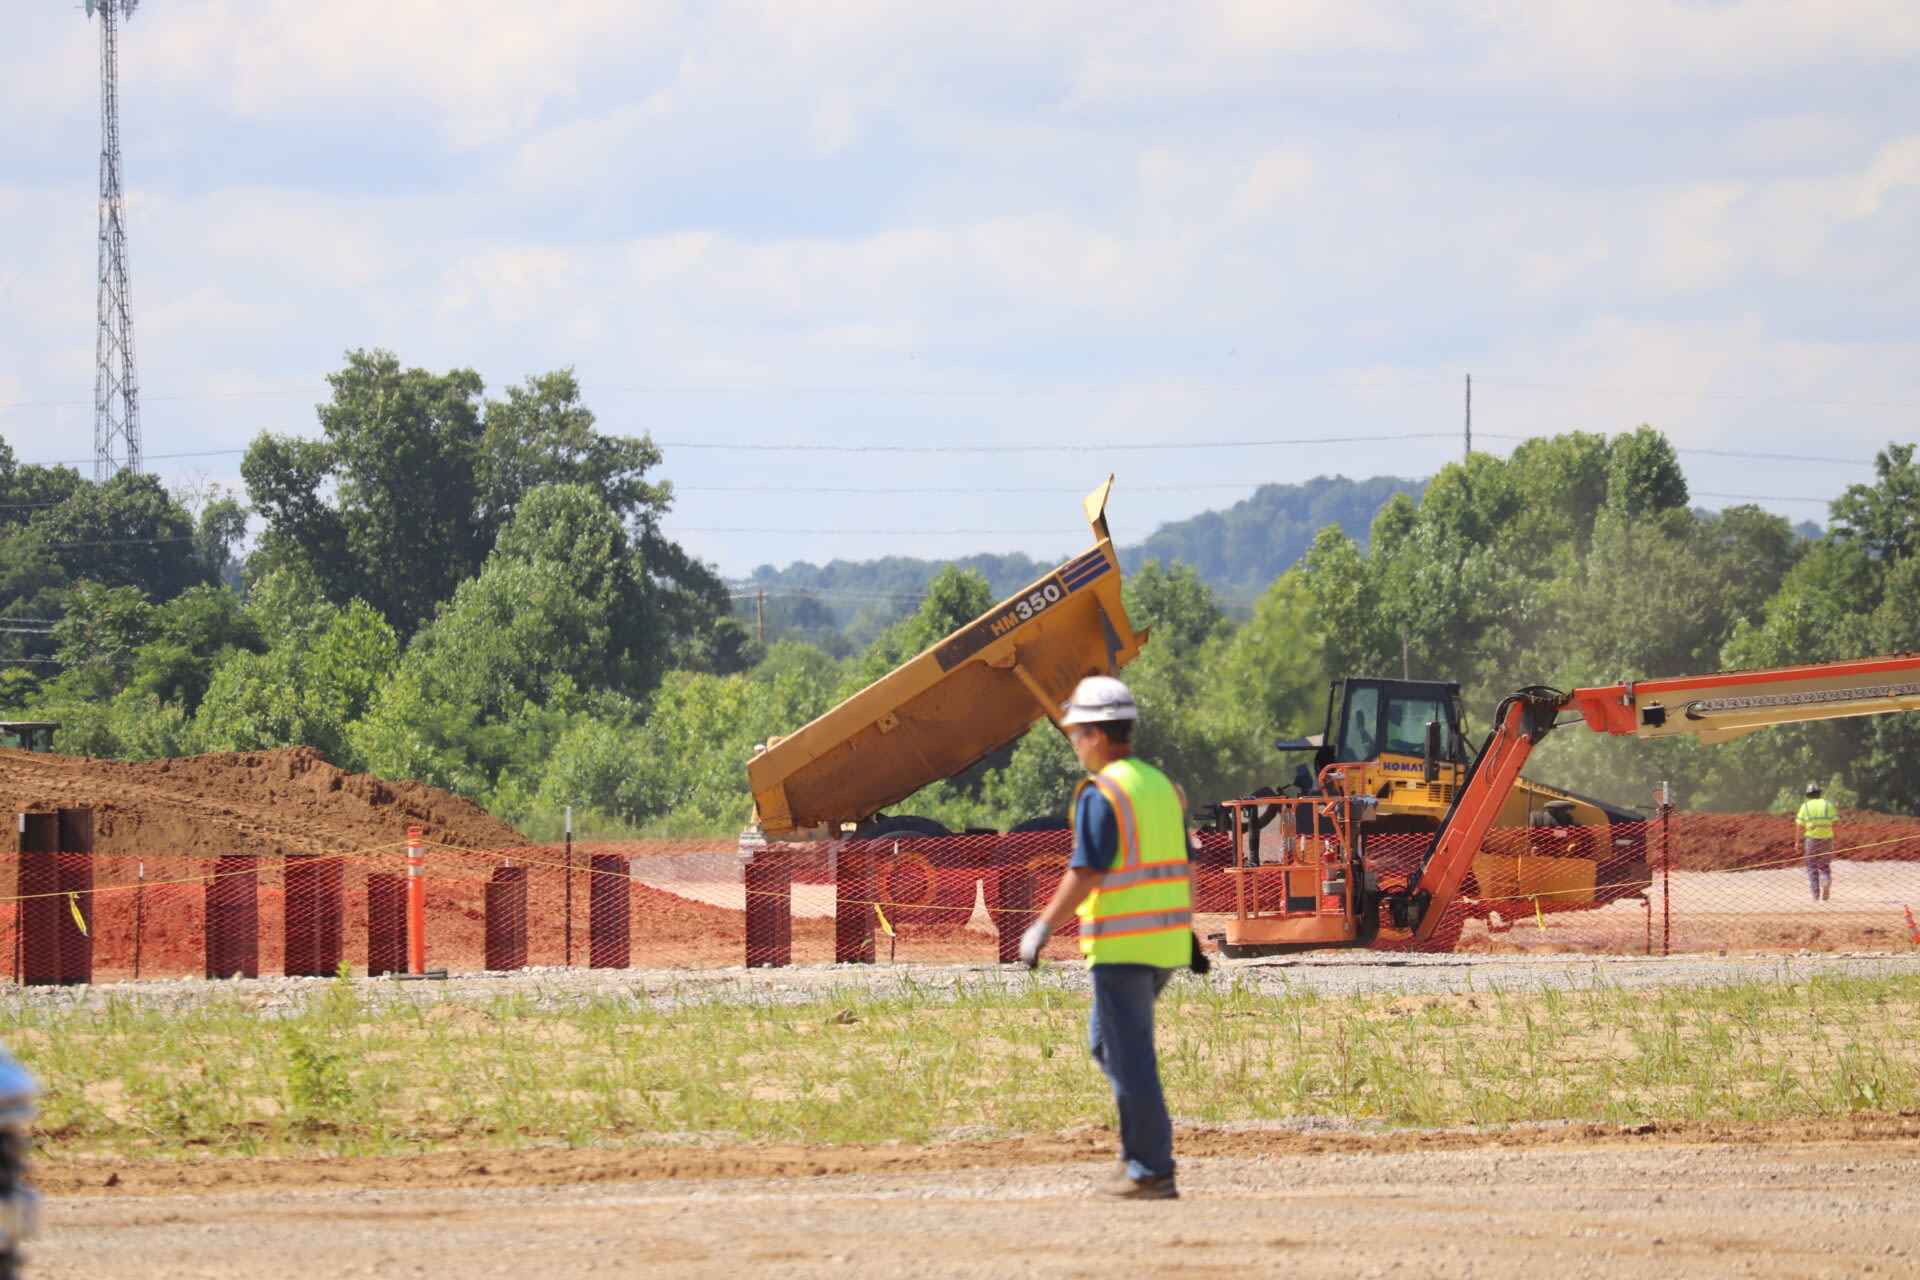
(27, 735)
(1368, 718)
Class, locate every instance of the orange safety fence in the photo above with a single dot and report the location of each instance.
(1688, 882)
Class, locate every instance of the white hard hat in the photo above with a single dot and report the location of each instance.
(1100, 698)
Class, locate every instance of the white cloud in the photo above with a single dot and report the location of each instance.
(213, 310)
(321, 240)
(1689, 244)
(1895, 168)
(481, 73)
(512, 285)
(1275, 179)
(1205, 50)
(832, 127)
(576, 153)
(1616, 51)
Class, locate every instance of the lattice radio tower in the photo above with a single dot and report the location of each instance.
(116, 391)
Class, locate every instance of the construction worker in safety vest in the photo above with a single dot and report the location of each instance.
(1815, 820)
(1130, 883)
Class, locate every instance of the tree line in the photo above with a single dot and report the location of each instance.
(475, 592)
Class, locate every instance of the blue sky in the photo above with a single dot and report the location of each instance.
(1023, 224)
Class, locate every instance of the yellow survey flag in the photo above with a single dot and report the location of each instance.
(80, 921)
(884, 926)
(1538, 919)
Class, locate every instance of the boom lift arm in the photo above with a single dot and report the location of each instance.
(1713, 708)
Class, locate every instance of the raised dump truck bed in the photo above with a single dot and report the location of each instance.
(953, 705)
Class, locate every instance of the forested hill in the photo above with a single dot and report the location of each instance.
(1238, 551)
(1256, 540)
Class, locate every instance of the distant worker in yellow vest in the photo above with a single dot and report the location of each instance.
(1130, 884)
(1816, 840)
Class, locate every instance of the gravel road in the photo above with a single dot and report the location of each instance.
(1326, 973)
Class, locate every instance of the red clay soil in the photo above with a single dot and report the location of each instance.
(264, 803)
(1732, 841)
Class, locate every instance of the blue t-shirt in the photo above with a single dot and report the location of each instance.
(1096, 832)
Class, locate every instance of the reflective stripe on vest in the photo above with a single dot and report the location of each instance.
(1142, 912)
(1143, 875)
(1817, 817)
(1143, 922)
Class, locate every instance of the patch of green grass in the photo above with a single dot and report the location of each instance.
(348, 1075)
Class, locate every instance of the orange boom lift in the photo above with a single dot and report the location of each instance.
(1713, 708)
(1316, 889)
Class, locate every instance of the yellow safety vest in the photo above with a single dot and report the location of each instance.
(1142, 913)
(1817, 816)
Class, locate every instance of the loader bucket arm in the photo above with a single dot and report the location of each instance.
(1522, 720)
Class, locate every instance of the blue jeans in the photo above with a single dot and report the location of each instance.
(1819, 856)
(1120, 1036)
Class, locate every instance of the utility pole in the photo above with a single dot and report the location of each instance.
(1469, 452)
(116, 390)
(760, 615)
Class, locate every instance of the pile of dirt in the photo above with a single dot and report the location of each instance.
(1741, 841)
(267, 803)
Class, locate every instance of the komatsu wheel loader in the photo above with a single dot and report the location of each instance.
(1402, 745)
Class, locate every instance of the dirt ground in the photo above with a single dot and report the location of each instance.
(266, 803)
(1837, 1198)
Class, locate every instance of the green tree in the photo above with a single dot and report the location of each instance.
(100, 636)
(401, 448)
(1644, 475)
(1340, 582)
(1273, 673)
(559, 596)
(402, 498)
(125, 532)
(681, 767)
(1883, 518)
(316, 674)
(192, 634)
(954, 598)
(1178, 683)
(541, 434)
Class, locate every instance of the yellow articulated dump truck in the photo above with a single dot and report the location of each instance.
(976, 691)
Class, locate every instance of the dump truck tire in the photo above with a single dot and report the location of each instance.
(928, 889)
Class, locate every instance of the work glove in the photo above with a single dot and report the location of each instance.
(1199, 964)
(1033, 941)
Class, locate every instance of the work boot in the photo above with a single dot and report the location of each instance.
(1121, 1187)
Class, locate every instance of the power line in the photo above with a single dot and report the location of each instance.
(114, 542)
(188, 395)
(878, 533)
(1778, 457)
(1750, 456)
(1703, 395)
(1089, 447)
(871, 492)
(149, 457)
